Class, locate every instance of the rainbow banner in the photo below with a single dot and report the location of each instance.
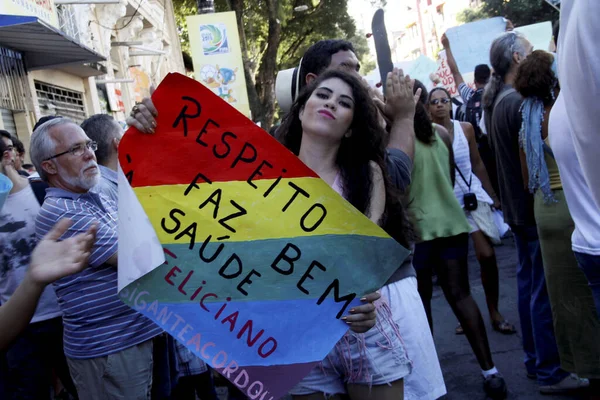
(235, 247)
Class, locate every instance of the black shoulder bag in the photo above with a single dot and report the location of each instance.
(469, 198)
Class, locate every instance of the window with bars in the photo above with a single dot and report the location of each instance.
(55, 100)
(14, 90)
(67, 20)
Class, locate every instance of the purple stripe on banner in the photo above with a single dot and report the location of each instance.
(267, 383)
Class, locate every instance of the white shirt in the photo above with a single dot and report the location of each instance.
(579, 75)
(584, 211)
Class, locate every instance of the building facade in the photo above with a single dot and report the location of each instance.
(422, 24)
(76, 58)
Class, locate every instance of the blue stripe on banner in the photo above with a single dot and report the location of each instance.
(226, 331)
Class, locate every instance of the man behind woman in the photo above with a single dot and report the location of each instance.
(335, 129)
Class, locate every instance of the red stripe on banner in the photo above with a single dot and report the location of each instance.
(203, 135)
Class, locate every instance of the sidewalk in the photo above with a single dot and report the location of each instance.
(461, 371)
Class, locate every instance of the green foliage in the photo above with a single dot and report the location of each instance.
(324, 19)
(520, 12)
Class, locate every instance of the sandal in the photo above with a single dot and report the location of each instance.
(504, 327)
(459, 330)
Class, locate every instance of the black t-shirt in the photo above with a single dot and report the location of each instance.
(505, 123)
(399, 168)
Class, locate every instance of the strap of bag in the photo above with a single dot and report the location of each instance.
(463, 177)
(502, 95)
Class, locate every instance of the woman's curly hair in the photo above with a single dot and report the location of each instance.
(535, 77)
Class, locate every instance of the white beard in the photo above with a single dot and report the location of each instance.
(81, 181)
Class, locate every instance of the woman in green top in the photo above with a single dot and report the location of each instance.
(444, 230)
(576, 323)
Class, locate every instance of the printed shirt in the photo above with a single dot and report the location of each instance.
(17, 241)
(96, 321)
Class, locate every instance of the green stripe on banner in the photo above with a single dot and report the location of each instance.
(237, 269)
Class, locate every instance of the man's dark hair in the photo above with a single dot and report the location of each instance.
(19, 147)
(318, 57)
(101, 129)
(3, 146)
(45, 119)
(6, 134)
(482, 74)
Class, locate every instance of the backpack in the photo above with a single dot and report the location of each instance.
(459, 115)
(473, 112)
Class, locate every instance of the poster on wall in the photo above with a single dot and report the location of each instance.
(43, 9)
(217, 56)
(141, 86)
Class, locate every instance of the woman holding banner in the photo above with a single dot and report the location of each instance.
(474, 191)
(335, 129)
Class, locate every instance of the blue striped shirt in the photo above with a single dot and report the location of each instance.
(96, 321)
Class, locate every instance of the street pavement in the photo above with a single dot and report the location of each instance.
(461, 371)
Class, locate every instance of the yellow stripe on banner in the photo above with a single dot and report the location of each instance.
(219, 208)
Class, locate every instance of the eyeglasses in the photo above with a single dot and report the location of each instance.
(77, 150)
(435, 102)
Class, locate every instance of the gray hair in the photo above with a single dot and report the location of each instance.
(42, 146)
(501, 59)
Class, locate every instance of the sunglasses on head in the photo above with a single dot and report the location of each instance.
(435, 102)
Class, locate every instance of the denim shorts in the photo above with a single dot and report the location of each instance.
(377, 357)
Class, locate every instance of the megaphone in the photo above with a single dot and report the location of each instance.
(287, 86)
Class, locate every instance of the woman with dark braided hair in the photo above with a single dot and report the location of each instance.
(472, 180)
(443, 229)
(576, 323)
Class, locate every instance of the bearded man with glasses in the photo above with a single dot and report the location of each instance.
(108, 345)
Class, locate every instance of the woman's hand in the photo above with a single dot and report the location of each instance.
(362, 318)
(400, 102)
(143, 116)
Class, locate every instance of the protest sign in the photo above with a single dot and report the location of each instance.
(421, 68)
(539, 35)
(447, 79)
(471, 42)
(217, 54)
(554, 3)
(261, 257)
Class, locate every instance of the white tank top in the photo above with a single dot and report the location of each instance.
(462, 159)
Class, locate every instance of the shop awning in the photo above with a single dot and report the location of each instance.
(42, 45)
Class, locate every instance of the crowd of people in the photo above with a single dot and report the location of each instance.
(431, 178)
